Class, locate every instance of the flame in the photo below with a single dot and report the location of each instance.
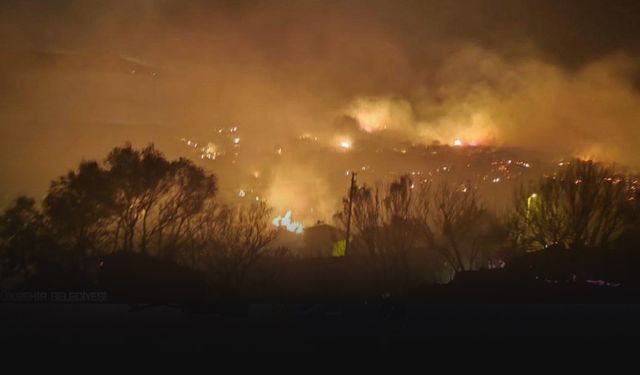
(291, 226)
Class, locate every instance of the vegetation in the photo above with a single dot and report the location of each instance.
(585, 205)
(137, 223)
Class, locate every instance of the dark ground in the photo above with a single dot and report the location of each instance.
(325, 328)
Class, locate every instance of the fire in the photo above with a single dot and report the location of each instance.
(291, 226)
(457, 142)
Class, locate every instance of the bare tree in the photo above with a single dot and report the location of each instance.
(583, 205)
(385, 229)
(235, 239)
(391, 222)
(464, 233)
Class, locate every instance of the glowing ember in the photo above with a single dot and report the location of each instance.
(210, 149)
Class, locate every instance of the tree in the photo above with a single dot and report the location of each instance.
(136, 200)
(181, 209)
(385, 227)
(139, 179)
(464, 232)
(21, 225)
(448, 226)
(78, 208)
(234, 243)
(583, 205)
(156, 199)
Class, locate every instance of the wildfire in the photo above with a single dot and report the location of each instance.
(285, 222)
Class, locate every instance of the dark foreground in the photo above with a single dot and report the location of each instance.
(330, 328)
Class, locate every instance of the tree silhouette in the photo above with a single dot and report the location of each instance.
(385, 229)
(79, 206)
(20, 228)
(234, 244)
(465, 234)
(583, 205)
(391, 222)
(137, 199)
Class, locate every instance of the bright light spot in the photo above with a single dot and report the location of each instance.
(241, 194)
(345, 145)
(236, 141)
(285, 222)
(210, 149)
(209, 152)
(457, 142)
(530, 201)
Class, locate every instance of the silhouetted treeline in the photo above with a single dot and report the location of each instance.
(137, 202)
(146, 228)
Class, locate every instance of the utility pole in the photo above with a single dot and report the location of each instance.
(353, 183)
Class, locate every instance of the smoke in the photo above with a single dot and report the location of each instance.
(301, 190)
(81, 77)
(481, 98)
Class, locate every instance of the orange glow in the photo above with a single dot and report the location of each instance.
(344, 143)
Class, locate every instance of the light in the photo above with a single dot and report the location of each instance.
(345, 145)
(457, 142)
(236, 141)
(529, 202)
(210, 148)
(285, 221)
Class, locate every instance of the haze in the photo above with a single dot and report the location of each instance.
(80, 77)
